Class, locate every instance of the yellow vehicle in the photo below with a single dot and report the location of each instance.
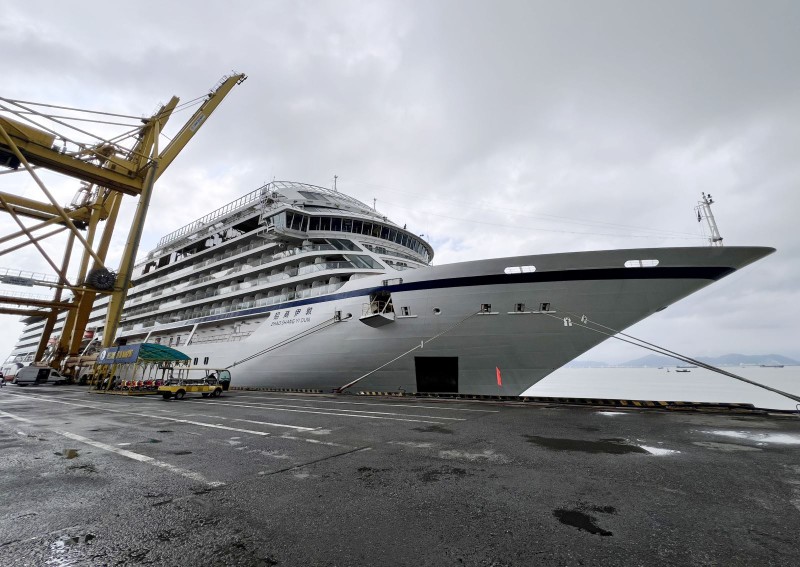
(210, 385)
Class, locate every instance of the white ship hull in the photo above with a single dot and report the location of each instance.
(500, 352)
(294, 286)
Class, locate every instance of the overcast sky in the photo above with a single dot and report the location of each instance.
(493, 128)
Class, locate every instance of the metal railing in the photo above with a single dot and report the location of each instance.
(250, 198)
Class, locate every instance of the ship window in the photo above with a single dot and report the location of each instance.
(544, 307)
(366, 228)
(336, 224)
(405, 311)
(347, 225)
(486, 307)
(520, 269)
(364, 262)
(357, 226)
(314, 223)
(641, 263)
(312, 196)
(519, 307)
(297, 221)
(325, 223)
(342, 244)
(195, 361)
(205, 360)
(178, 340)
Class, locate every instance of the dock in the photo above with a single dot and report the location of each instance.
(287, 478)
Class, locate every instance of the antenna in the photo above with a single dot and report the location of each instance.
(335, 177)
(703, 210)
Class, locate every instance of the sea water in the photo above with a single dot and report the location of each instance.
(665, 384)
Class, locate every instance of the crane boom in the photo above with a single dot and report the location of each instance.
(194, 123)
(157, 166)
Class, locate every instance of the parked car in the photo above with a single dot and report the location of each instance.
(38, 375)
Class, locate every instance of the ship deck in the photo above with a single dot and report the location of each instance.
(265, 478)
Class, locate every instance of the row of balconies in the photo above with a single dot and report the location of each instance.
(284, 295)
(253, 262)
(200, 295)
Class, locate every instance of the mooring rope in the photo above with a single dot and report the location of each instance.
(301, 335)
(420, 345)
(630, 339)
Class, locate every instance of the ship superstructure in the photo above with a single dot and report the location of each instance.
(282, 242)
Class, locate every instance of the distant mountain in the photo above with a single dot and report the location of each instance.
(655, 360)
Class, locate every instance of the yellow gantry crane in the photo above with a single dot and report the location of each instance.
(107, 169)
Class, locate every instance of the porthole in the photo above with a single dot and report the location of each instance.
(437, 311)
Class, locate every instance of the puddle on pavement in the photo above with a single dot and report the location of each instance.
(63, 551)
(580, 520)
(761, 438)
(433, 429)
(610, 446)
(725, 447)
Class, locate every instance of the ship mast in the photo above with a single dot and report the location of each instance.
(703, 209)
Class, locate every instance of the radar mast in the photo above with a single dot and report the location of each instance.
(703, 209)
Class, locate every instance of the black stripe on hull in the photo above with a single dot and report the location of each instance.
(598, 274)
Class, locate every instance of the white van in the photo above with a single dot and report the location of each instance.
(10, 369)
(38, 375)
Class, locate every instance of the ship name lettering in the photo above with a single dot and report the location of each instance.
(292, 321)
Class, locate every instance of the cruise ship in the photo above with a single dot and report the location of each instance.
(294, 286)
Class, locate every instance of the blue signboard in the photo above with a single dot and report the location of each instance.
(119, 355)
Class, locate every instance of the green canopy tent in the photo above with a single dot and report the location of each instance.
(137, 367)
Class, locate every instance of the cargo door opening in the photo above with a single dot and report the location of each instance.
(437, 374)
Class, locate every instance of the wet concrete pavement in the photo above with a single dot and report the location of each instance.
(256, 478)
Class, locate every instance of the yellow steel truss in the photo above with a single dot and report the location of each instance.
(108, 171)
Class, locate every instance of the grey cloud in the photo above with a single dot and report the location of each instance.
(494, 128)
